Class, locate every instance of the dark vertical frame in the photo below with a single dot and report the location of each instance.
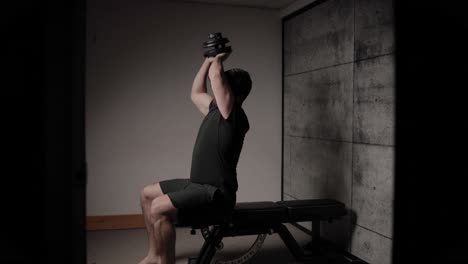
(431, 57)
(23, 166)
(65, 173)
(43, 117)
(79, 171)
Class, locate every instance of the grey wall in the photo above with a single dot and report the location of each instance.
(142, 57)
(339, 118)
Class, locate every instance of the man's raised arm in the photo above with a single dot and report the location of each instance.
(199, 96)
(221, 89)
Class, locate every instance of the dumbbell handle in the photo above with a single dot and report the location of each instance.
(213, 53)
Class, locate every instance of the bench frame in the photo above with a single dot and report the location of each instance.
(318, 250)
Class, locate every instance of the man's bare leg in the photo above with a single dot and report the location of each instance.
(162, 213)
(165, 238)
(148, 194)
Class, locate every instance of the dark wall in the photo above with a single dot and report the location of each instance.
(42, 115)
(21, 111)
(431, 213)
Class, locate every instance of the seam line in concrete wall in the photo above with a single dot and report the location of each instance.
(373, 57)
(226, 5)
(318, 69)
(370, 230)
(287, 194)
(352, 120)
(340, 64)
(342, 141)
(282, 110)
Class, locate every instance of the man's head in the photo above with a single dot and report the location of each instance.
(240, 83)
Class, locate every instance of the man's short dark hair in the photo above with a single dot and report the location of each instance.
(239, 81)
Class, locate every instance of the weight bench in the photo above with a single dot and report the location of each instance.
(259, 218)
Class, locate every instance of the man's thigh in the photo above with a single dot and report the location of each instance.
(184, 194)
(190, 197)
(174, 185)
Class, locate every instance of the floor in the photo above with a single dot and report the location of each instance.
(130, 246)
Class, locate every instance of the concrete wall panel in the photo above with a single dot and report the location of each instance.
(319, 37)
(373, 168)
(371, 246)
(374, 28)
(374, 101)
(339, 118)
(321, 169)
(319, 103)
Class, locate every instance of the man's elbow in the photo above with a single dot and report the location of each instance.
(194, 96)
(215, 75)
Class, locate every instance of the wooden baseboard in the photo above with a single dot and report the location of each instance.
(112, 222)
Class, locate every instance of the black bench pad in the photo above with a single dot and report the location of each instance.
(201, 217)
(265, 212)
(260, 212)
(247, 212)
(313, 209)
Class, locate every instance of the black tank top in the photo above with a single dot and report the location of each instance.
(218, 147)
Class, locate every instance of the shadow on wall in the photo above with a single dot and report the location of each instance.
(340, 232)
(330, 96)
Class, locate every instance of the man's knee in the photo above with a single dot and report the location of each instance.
(156, 209)
(161, 208)
(150, 192)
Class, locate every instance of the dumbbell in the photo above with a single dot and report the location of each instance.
(216, 44)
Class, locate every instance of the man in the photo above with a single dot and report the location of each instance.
(213, 177)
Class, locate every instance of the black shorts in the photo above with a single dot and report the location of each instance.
(185, 194)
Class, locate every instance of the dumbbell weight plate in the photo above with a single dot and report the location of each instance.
(211, 43)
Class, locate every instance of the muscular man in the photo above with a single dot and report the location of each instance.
(213, 176)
